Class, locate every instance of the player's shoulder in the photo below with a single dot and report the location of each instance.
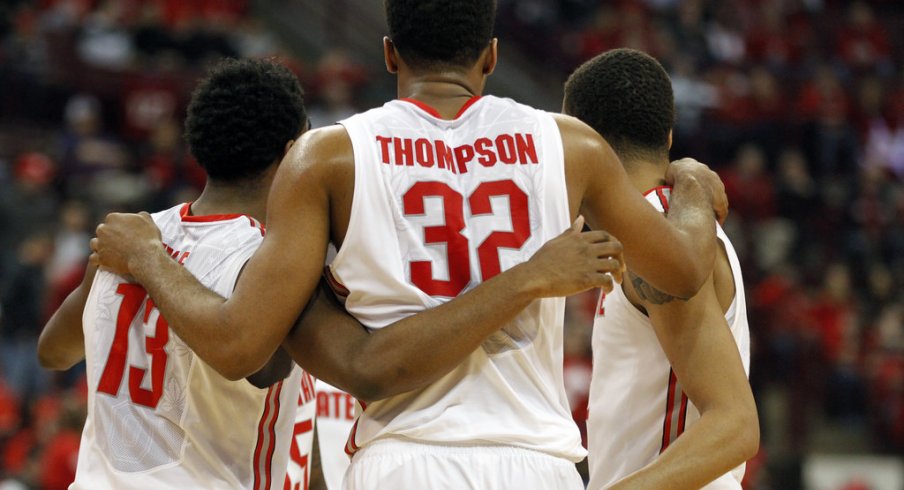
(576, 131)
(321, 148)
(583, 146)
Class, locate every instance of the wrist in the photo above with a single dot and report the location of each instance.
(143, 260)
(527, 286)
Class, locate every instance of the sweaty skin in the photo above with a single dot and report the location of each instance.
(310, 205)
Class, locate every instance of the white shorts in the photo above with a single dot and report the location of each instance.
(394, 464)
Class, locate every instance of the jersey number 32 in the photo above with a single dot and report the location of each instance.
(456, 244)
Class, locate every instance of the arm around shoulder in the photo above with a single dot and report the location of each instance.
(680, 258)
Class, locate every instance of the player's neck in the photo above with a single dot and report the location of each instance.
(646, 173)
(446, 92)
(248, 197)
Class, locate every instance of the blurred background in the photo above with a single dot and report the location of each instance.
(799, 105)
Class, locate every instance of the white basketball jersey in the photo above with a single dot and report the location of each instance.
(637, 407)
(336, 412)
(298, 473)
(158, 416)
(439, 206)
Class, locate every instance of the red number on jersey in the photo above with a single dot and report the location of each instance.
(457, 245)
(133, 298)
(448, 233)
(488, 251)
(302, 460)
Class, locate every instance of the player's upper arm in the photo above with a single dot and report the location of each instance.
(701, 350)
(62, 342)
(600, 189)
(282, 275)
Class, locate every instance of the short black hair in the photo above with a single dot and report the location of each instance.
(433, 34)
(241, 116)
(626, 96)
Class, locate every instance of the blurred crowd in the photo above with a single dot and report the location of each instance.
(799, 104)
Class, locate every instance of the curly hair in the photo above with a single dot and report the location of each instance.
(241, 116)
(626, 96)
(433, 34)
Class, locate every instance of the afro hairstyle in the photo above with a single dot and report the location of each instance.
(241, 116)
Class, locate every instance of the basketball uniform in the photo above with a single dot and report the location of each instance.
(298, 473)
(158, 416)
(336, 412)
(637, 407)
(439, 206)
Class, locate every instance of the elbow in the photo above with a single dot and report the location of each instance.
(694, 276)
(743, 434)
(367, 382)
(50, 358)
(748, 434)
(233, 363)
(46, 359)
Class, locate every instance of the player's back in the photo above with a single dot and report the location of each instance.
(637, 407)
(158, 416)
(439, 206)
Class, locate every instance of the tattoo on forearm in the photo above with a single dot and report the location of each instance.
(648, 293)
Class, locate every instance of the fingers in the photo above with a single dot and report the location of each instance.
(578, 224)
(603, 281)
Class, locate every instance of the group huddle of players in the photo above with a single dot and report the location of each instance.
(457, 221)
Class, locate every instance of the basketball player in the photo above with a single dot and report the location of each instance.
(159, 416)
(425, 198)
(670, 405)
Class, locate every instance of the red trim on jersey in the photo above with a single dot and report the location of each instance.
(667, 423)
(351, 447)
(673, 408)
(334, 283)
(184, 213)
(272, 433)
(660, 193)
(467, 106)
(424, 107)
(435, 113)
(682, 416)
(266, 427)
(258, 448)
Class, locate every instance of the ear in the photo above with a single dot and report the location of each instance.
(389, 56)
(289, 145)
(491, 57)
(670, 139)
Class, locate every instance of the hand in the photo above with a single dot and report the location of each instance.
(122, 237)
(709, 179)
(574, 262)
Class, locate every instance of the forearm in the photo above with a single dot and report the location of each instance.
(62, 342)
(691, 216)
(717, 443)
(197, 315)
(439, 339)
(419, 349)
